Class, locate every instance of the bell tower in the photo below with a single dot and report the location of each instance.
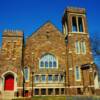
(12, 44)
(78, 50)
(74, 21)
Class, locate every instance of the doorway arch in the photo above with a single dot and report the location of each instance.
(9, 82)
(7, 77)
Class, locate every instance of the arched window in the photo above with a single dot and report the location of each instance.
(77, 73)
(54, 64)
(46, 64)
(74, 25)
(26, 73)
(42, 64)
(77, 47)
(83, 47)
(48, 61)
(80, 24)
(50, 64)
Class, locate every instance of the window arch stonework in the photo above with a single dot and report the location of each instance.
(48, 61)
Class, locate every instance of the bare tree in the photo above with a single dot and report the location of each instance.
(95, 41)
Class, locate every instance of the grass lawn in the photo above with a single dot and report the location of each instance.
(44, 98)
(49, 98)
(61, 98)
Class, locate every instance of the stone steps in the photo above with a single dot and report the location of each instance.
(7, 95)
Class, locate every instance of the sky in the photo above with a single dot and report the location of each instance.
(29, 15)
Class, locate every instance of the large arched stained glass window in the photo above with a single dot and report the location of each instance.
(48, 61)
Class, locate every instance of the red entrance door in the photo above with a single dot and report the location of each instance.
(9, 82)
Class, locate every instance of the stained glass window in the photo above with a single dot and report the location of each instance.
(48, 61)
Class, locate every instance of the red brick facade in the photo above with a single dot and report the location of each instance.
(15, 56)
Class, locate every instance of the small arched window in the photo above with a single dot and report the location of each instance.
(46, 64)
(50, 64)
(48, 61)
(42, 64)
(77, 73)
(54, 64)
(83, 47)
(77, 47)
(26, 74)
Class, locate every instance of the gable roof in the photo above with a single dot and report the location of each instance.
(48, 26)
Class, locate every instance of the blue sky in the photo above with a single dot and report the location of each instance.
(29, 15)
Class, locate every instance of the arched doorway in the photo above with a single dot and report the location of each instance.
(9, 82)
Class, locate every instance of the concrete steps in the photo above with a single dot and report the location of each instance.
(7, 95)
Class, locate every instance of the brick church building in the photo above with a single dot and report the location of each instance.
(49, 62)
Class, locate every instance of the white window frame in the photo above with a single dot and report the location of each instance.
(77, 47)
(44, 67)
(81, 23)
(83, 47)
(79, 74)
(73, 31)
(35, 79)
(42, 80)
(27, 80)
(52, 78)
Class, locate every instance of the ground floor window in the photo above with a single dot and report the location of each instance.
(56, 91)
(43, 91)
(36, 91)
(62, 91)
(50, 91)
(79, 91)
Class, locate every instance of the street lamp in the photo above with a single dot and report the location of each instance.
(23, 81)
(32, 83)
(32, 72)
(65, 80)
